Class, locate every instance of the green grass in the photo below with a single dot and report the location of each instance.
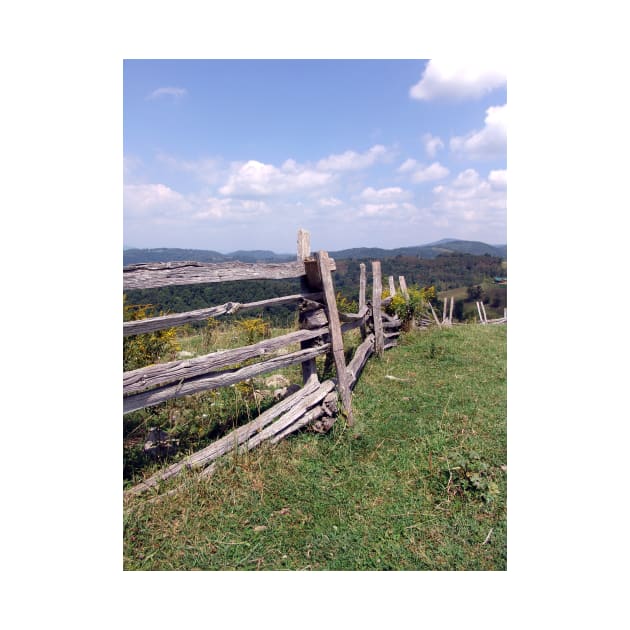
(417, 484)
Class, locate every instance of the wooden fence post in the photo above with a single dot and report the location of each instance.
(303, 245)
(377, 296)
(485, 317)
(303, 255)
(336, 337)
(450, 317)
(479, 311)
(435, 317)
(362, 285)
(392, 286)
(403, 287)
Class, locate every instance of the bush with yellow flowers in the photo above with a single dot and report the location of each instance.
(409, 310)
(146, 349)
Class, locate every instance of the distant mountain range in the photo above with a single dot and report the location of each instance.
(132, 256)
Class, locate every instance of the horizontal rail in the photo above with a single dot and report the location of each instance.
(151, 275)
(141, 379)
(152, 324)
(229, 442)
(215, 380)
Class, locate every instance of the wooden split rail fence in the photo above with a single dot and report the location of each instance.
(321, 330)
(483, 318)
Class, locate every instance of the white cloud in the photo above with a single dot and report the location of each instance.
(258, 179)
(477, 202)
(153, 199)
(330, 202)
(229, 209)
(432, 144)
(159, 204)
(353, 161)
(384, 194)
(498, 179)
(420, 173)
(488, 143)
(445, 80)
(168, 92)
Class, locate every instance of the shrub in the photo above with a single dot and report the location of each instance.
(142, 350)
(255, 328)
(409, 310)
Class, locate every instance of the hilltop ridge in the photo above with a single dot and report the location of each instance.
(133, 256)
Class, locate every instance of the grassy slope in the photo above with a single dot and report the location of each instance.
(386, 494)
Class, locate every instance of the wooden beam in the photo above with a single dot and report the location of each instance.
(377, 291)
(450, 317)
(214, 380)
(150, 275)
(227, 443)
(361, 355)
(145, 378)
(336, 337)
(151, 324)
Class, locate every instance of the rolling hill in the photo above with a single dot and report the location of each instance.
(431, 250)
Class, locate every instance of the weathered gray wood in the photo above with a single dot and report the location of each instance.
(353, 317)
(284, 421)
(390, 344)
(313, 319)
(483, 309)
(377, 291)
(152, 324)
(303, 245)
(450, 317)
(435, 317)
(392, 286)
(227, 443)
(361, 355)
(150, 275)
(444, 310)
(310, 416)
(215, 380)
(390, 325)
(479, 311)
(392, 335)
(336, 336)
(403, 287)
(362, 288)
(141, 379)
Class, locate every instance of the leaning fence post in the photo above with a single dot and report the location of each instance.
(362, 284)
(336, 337)
(377, 296)
(403, 287)
(485, 317)
(392, 286)
(479, 311)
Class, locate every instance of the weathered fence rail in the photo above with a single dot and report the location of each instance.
(321, 330)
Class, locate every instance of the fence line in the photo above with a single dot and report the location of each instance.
(321, 330)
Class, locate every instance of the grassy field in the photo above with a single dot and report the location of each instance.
(419, 483)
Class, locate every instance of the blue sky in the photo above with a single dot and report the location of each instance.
(239, 154)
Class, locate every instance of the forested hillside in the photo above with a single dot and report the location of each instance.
(445, 272)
